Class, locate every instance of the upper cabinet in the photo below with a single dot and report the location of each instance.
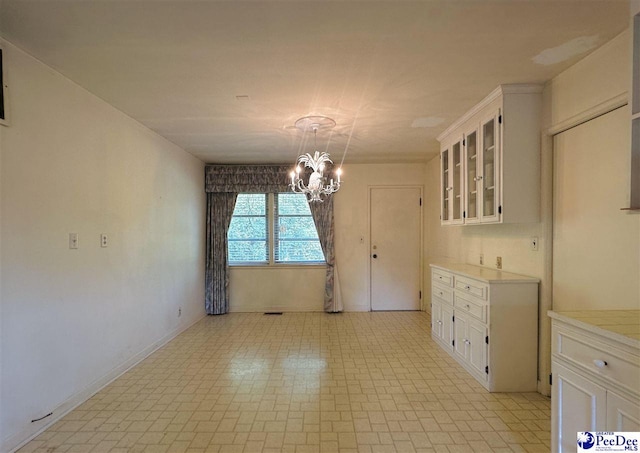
(490, 160)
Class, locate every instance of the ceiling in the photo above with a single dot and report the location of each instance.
(226, 80)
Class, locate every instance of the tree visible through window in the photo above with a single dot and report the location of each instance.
(273, 228)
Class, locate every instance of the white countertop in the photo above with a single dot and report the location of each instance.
(484, 274)
(618, 325)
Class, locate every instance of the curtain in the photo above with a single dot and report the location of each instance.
(222, 185)
(219, 212)
(323, 218)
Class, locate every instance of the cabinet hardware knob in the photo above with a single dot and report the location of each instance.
(374, 255)
(467, 306)
(600, 363)
(467, 287)
(479, 178)
(439, 322)
(441, 293)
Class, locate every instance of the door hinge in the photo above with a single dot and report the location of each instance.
(551, 379)
(464, 214)
(420, 294)
(486, 369)
(500, 209)
(453, 319)
(464, 142)
(499, 119)
(486, 339)
(420, 201)
(453, 342)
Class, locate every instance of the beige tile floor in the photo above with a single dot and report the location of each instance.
(301, 382)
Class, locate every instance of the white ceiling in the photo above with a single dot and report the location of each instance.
(393, 74)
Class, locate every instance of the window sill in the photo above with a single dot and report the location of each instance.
(279, 266)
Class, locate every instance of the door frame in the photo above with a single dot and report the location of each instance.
(370, 188)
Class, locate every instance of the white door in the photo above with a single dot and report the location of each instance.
(396, 247)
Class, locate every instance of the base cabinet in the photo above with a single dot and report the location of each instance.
(488, 321)
(595, 383)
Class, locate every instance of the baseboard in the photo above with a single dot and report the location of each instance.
(18, 440)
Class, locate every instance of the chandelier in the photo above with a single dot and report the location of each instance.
(317, 187)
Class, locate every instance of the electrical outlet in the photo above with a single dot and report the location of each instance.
(534, 243)
(499, 262)
(481, 259)
(73, 240)
(104, 241)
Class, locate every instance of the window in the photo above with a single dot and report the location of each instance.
(273, 229)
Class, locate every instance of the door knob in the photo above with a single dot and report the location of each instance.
(374, 255)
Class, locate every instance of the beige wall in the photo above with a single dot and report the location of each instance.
(592, 82)
(74, 319)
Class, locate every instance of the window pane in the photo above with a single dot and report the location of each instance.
(293, 204)
(248, 251)
(251, 204)
(296, 234)
(248, 228)
(299, 251)
(297, 228)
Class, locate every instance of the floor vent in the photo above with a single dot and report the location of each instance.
(272, 312)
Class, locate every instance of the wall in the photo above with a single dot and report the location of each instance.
(592, 82)
(302, 288)
(72, 320)
(352, 223)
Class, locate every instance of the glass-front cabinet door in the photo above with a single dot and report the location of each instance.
(445, 178)
(471, 178)
(489, 171)
(457, 183)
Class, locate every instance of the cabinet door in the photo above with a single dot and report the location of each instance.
(471, 159)
(622, 413)
(436, 318)
(447, 325)
(477, 333)
(445, 186)
(577, 404)
(457, 183)
(490, 169)
(461, 346)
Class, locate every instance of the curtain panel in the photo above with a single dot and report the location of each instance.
(322, 214)
(219, 212)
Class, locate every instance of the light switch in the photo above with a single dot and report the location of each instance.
(73, 240)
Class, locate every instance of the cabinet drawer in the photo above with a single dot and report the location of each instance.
(597, 357)
(473, 287)
(442, 293)
(441, 277)
(474, 308)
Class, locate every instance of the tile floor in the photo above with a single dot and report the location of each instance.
(301, 382)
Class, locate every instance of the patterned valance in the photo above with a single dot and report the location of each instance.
(247, 178)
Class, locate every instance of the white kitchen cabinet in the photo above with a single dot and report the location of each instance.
(488, 321)
(452, 182)
(498, 170)
(595, 374)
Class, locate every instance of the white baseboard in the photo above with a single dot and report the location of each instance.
(18, 440)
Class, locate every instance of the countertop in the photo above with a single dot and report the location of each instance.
(618, 325)
(484, 274)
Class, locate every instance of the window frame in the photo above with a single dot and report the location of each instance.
(272, 237)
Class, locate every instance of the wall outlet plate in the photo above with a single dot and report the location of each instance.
(481, 259)
(498, 262)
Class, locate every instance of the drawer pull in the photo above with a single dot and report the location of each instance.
(467, 287)
(600, 363)
(441, 293)
(467, 341)
(467, 307)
